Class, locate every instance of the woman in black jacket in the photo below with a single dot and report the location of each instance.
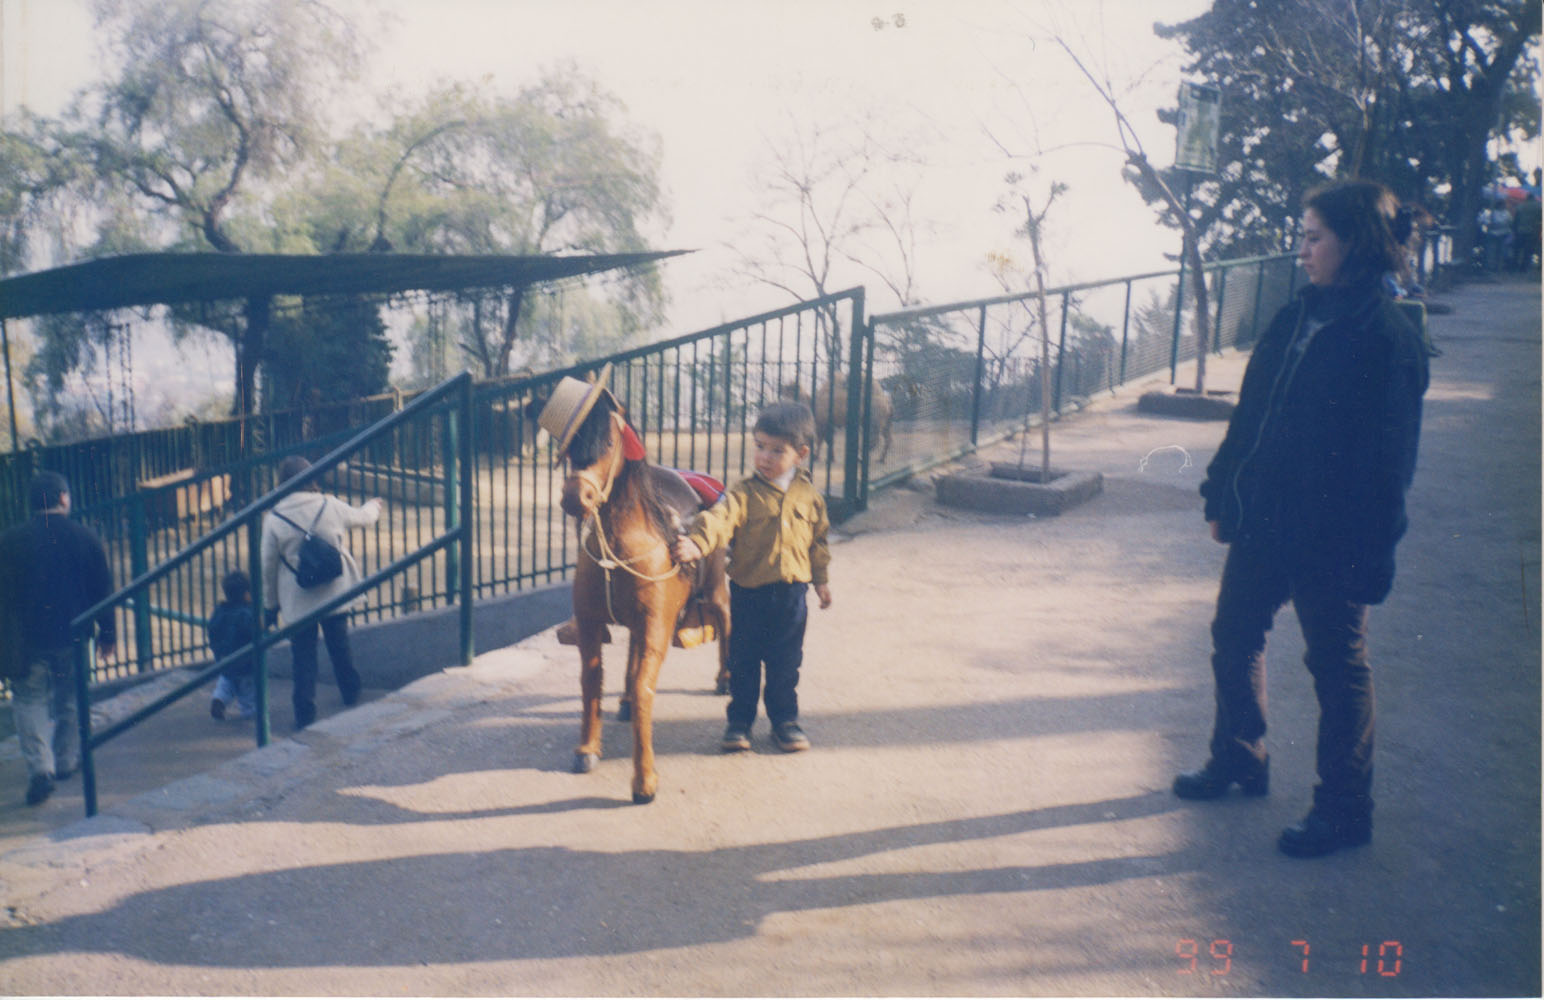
(1308, 491)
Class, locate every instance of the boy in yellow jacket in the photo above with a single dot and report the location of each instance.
(777, 522)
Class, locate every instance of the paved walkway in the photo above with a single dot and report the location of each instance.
(998, 706)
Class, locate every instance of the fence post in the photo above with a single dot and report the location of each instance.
(81, 654)
(1125, 330)
(868, 411)
(451, 449)
(10, 386)
(468, 541)
(975, 392)
(1179, 315)
(857, 425)
(260, 611)
(1259, 293)
(139, 565)
(1222, 297)
(1061, 354)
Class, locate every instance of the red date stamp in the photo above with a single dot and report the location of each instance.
(1214, 957)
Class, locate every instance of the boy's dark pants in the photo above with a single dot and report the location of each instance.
(304, 666)
(768, 629)
(1254, 585)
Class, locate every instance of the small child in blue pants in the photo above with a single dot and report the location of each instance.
(231, 627)
(777, 522)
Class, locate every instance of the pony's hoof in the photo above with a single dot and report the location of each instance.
(642, 798)
(722, 687)
(625, 712)
(584, 763)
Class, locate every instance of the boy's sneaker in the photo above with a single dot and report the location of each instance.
(736, 738)
(217, 709)
(789, 737)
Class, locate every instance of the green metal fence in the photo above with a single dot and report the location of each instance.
(443, 415)
(960, 374)
(924, 385)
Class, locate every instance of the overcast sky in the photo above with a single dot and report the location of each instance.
(716, 80)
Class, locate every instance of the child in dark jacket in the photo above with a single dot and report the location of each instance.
(231, 627)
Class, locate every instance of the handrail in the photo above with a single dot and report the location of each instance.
(920, 312)
(515, 384)
(272, 637)
(237, 520)
(462, 532)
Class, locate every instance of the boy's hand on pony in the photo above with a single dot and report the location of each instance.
(686, 550)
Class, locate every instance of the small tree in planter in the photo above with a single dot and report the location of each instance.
(1032, 229)
(1016, 488)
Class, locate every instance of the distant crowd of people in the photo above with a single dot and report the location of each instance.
(1509, 236)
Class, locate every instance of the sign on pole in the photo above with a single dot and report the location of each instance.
(1200, 120)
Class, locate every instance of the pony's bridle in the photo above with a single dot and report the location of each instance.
(590, 527)
(601, 487)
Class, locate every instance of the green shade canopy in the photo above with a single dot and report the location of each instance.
(144, 279)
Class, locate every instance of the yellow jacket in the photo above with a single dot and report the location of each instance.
(778, 537)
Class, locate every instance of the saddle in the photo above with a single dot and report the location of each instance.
(686, 493)
(683, 493)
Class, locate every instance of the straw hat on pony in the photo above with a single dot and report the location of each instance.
(572, 400)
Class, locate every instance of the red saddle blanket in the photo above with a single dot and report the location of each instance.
(707, 487)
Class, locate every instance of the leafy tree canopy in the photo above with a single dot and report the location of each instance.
(211, 130)
(1404, 91)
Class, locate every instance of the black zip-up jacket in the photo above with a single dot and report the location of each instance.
(54, 568)
(231, 627)
(1322, 445)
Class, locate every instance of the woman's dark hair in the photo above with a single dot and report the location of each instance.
(786, 419)
(1361, 215)
(45, 491)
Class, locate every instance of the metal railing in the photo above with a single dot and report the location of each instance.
(965, 373)
(449, 406)
(930, 384)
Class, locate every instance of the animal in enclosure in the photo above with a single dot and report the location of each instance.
(829, 404)
(630, 513)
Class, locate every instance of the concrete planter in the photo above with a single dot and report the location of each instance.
(1214, 404)
(1014, 489)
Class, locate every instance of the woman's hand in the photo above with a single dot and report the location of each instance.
(1216, 530)
(686, 550)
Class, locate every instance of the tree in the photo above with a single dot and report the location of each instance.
(207, 105)
(552, 168)
(326, 349)
(1033, 229)
(1405, 91)
(836, 206)
(1141, 172)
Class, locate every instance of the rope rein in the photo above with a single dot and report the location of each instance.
(604, 554)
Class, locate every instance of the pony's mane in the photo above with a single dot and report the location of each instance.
(593, 441)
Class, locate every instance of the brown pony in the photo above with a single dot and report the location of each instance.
(829, 405)
(630, 513)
